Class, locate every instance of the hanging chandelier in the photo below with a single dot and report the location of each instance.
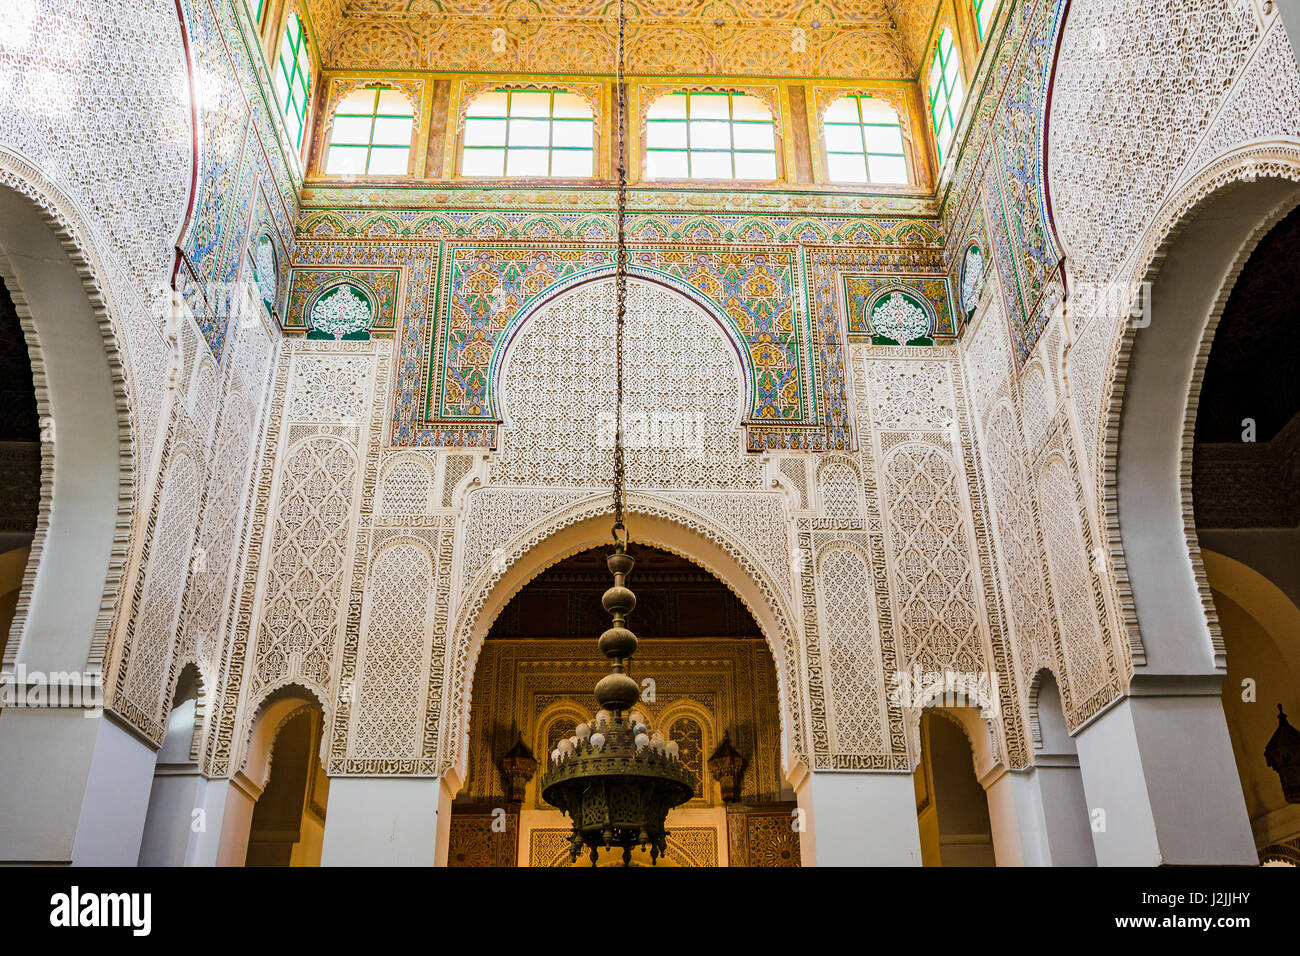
(615, 778)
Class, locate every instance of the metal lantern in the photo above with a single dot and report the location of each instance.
(619, 780)
(1282, 752)
(518, 766)
(727, 766)
(615, 778)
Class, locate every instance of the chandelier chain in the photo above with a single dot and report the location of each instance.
(620, 279)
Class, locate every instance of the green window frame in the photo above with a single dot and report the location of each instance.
(293, 77)
(945, 91)
(872, 135)
(505, 143)
(391, 124)
(983, 10)
(676, 142)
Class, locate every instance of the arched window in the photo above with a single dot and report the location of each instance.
(864, 141)
(900, 319)
(371, 133)
(984, 11)
(709, 135)
(529, 133)
(560, 727)
(972, 279)
(689, 735)
(293, 78)
(343, 313)
(266, 271)
(945, 91)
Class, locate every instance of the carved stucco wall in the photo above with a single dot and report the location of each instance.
(84, 78)
(249, 489)
(1176, 106)
(300, 604)
(880, 560)
(685, 460)
(1156, 100)
(96, 110)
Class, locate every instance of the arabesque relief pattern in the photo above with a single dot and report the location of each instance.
(300, 519)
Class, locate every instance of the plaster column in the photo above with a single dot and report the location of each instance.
(1056, 780)
(1016, 819)
(186, 812)
(237, 798)
(1067, 829)
(204, 845)
(1160, 778)
(857, 819)
(171, 817)
(387, 821)
(186, 808)
(76, 790)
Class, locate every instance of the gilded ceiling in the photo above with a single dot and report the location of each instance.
(839, 38)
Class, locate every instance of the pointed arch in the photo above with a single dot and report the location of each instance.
(74, 574)
(584, 525)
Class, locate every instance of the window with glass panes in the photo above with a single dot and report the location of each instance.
(371, 133)
(708, 135)
(945, 90)
(529, 133)
(864, 141)
(984, 10)
(293, 77)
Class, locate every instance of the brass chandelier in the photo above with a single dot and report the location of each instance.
(615, 778)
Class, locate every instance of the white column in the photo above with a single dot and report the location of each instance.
(186, 812)
(76, 787)
(1067, 828)
(186, 808)
(1160, 779)
(204, 846)
(387, 821)
(237, 798)
(171, 818)
(857, 819)
(1016, 819)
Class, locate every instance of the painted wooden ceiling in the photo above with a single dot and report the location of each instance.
(878, 39)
